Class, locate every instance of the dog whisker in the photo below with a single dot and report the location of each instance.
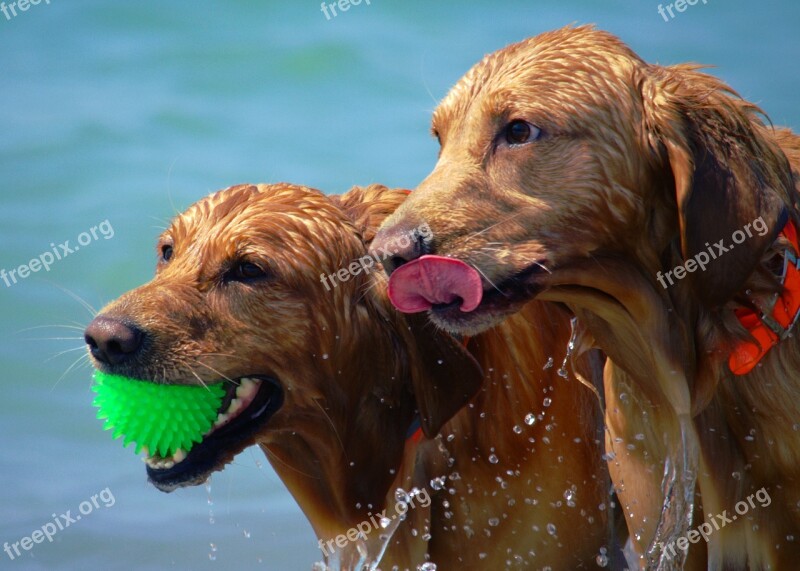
(76, 362)
(86, 305)
(545, 268)
(230, 355)
(213, 370)
(333, 426)
(503, 221)
(51, 339)
(271, 454)
(65, 351)
(480, 271)
(76, 327)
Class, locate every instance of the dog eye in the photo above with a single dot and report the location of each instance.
(166, 252)
(520, 132)
(245, 271)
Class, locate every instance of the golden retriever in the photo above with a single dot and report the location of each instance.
(272, 283)
(572, 171)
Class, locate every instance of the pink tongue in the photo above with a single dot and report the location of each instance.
(432, 280)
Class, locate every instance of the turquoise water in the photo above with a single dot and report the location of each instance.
(126, 112)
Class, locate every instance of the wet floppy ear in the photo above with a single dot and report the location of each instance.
(446, 376)
(727, 171)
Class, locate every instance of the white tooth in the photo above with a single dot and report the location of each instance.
(244, 389)
(234, 406)
(221, 419)
(179, 456)
(168, 464)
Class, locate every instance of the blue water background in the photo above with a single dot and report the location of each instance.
(127, 111)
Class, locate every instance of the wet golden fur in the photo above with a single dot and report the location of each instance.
(636, 168)
(354, 371)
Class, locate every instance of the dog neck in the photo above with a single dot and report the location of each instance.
(507, 449)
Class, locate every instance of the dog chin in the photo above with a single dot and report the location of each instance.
(457, 322)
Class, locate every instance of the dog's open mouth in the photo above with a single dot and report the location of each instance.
(248, 404)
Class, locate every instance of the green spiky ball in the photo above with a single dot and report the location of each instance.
(161, 417)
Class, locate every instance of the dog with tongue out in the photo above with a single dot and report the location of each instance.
(429, 281)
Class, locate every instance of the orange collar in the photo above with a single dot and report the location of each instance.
(776, 322)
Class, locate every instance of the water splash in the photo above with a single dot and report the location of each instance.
(367, 551)
(678, 486)
(211, 519)
(562, 372)
(602, 558)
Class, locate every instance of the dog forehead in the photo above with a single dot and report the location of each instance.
(562, 65)
(279, 209)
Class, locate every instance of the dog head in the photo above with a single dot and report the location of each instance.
(243, 294)
(568, 147)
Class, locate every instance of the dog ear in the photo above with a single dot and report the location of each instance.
(444, 375)
(727, 169)
(447, 377)
(369, 206)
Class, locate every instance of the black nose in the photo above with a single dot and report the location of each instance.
(401, 243)
(112, 341)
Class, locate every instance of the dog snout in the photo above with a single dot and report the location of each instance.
(113, 341)
(402, 242)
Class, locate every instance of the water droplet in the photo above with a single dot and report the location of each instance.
(324, 356)
(736, 475)
(551, 529)
(530, 419)
(494, 522)
(602, 560)
(385, 522)
(549, 364)
(438, 483)
(517, 429)
(401, 496)
(493, 459)
(427, 566)
(547, 402)
(639, 436)
(212, 555)
(246, 534)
